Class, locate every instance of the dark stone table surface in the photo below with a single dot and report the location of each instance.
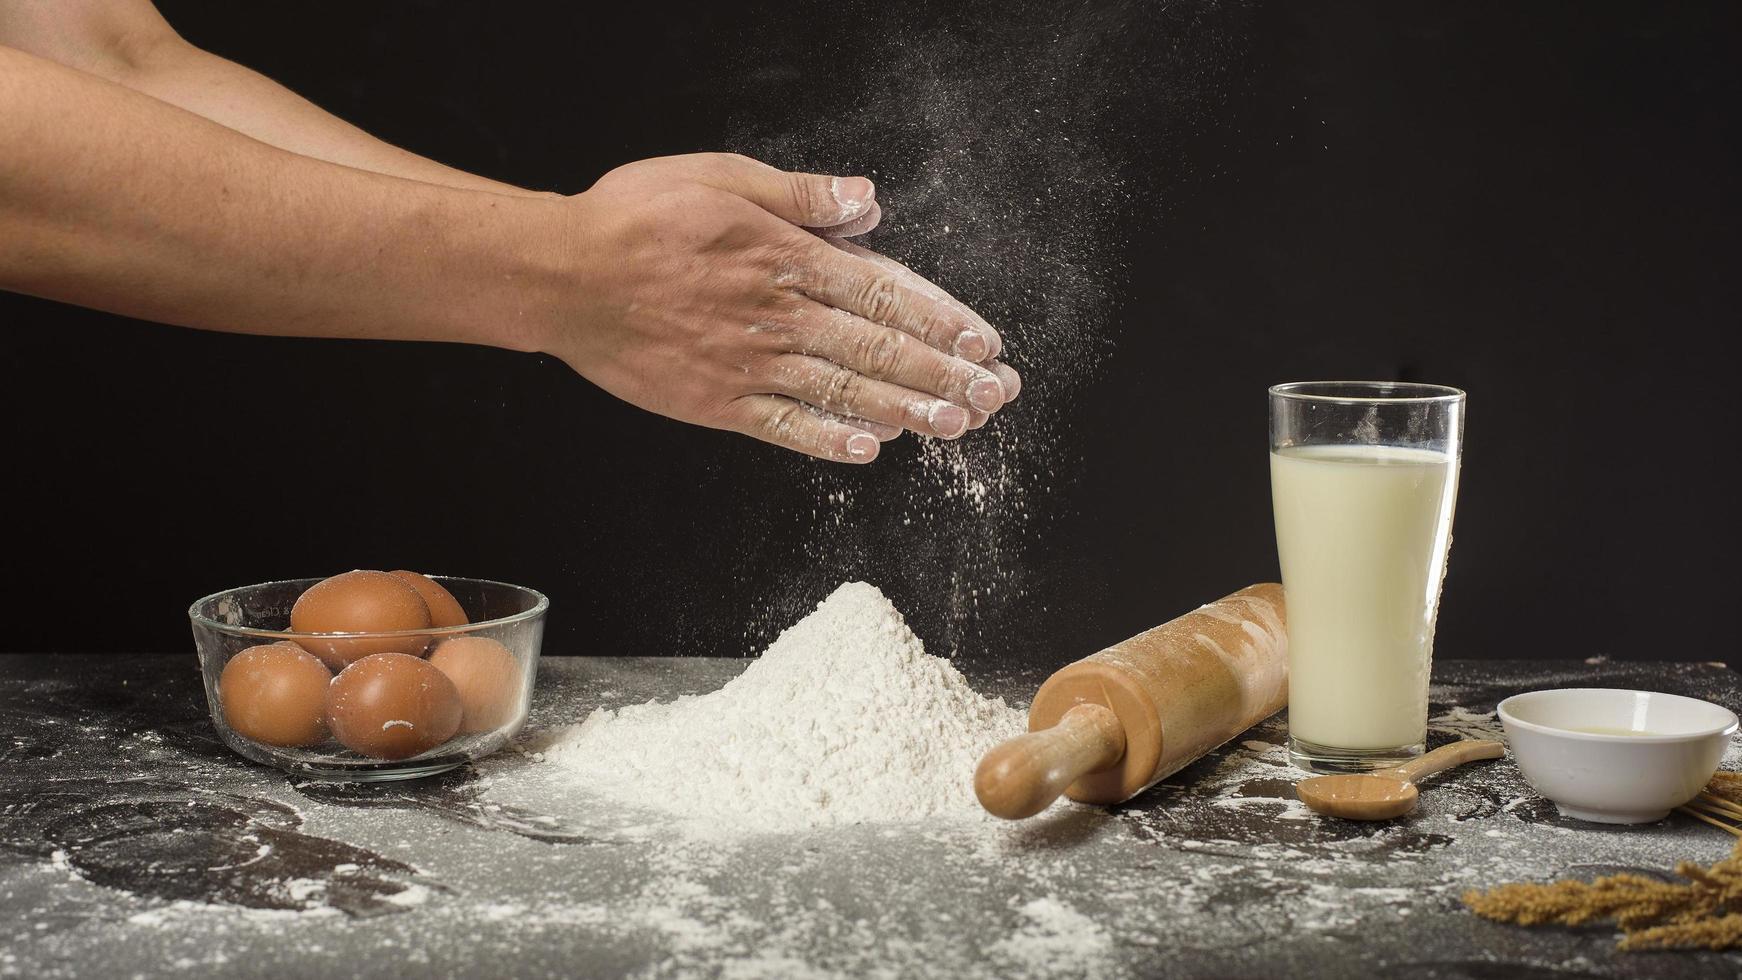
(132, 844)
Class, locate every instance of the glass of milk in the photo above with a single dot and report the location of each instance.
(1363, 479)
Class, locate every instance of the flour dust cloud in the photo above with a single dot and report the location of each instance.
(1014, 146)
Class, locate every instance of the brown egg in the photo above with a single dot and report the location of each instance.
(444, 609)
(392, 706)
(360, 602)
(275, 693)
(487, 676)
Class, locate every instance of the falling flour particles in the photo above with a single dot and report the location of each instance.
(844, 719)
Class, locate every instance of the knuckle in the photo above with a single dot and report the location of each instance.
(819, 438)
(763, 369)
(781, 420)
(755, 369)
(718, 413)
(879, 299)
(843, 390)
(789, 262)
(938, 327)
(953, 376)
(805, 199)
(883, 353)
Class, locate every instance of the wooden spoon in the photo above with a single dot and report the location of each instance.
(1391, 792)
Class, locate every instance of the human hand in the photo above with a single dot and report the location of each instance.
(689, 286)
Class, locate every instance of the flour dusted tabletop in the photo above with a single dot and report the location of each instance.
(133, 844)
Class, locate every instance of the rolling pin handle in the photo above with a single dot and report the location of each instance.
(1022, 777)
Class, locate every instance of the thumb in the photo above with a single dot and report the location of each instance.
(810, 200)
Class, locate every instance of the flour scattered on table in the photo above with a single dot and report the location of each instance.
(844, 719)
(1055, 940)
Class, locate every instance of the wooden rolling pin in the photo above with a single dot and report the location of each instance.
(1111, 725)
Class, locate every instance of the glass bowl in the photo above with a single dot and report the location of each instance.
(227, 623)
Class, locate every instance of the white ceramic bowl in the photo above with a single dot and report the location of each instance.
(1614, 756)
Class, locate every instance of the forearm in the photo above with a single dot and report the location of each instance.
(128, 42)
(251, 103)
(150, 211)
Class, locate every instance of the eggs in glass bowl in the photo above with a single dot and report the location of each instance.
(369, 675)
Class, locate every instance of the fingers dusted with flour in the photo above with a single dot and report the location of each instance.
(786, 422)
(920, 306)
(720, 291)
(1007, 375)
(884, 433)
(819, 201)
(883, 353)
(833, 388)
(856, 226)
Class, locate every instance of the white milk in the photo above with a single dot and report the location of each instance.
(1362, 532)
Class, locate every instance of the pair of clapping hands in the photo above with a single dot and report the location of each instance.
(724, 292)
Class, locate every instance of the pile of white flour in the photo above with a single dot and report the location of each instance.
(844, 719)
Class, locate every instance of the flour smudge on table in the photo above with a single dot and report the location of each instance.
(1212, 878)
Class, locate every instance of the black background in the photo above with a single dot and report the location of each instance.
(1533, 202)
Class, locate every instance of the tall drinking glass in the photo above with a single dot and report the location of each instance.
(1363, 480)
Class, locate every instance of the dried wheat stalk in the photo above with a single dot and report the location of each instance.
(1706, 912)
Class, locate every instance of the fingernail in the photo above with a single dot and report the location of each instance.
(861, 444)
(986, 394)
(853, 194)
(948, 421)
(971, 346)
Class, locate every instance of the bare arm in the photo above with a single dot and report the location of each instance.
(128, 42)
(150, 211)
(684, 285)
